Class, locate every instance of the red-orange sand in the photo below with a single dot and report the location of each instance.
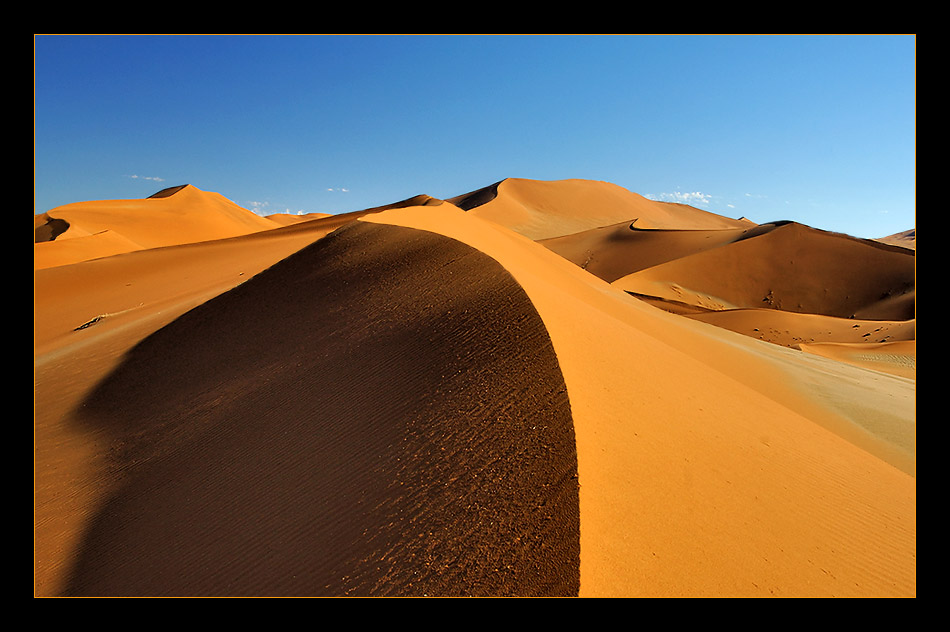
(535, 389)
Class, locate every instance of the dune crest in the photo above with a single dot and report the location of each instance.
(547, 209)
(453, 479)
(679, 443)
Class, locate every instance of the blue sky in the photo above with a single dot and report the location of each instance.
(816, 129)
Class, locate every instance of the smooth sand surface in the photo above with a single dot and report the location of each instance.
(170, 217)
(898, 358)
(439, 398)
(544, 210)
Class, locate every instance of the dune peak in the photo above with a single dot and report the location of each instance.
(169, 191)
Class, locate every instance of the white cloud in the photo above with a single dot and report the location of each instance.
(258, 207)
(341, 190)
(680, 197)
(152, 178)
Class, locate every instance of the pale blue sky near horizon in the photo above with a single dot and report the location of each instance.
(816, 129)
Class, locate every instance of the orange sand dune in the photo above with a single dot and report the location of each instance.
(791, 329)
(612, 252)
(86, 317)
(170, 217)
(793, 268)
(898, 358)
(547, 209)
(285, 219)
(342, 423)
(709, 463)
(905, 239)
(419, 399)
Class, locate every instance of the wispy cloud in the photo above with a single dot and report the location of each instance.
(259, 208)
(692, 198)
(340, 190)
(152, 178)
(264, 209)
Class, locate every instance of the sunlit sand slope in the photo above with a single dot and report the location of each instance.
(381, 413)
(186, 214)
(546, 209)
(712, 464)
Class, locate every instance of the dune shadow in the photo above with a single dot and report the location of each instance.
(50, 230)
(380, 414)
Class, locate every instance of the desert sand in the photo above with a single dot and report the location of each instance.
(535, 389)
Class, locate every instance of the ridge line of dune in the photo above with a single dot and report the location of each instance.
(422, 425)
(630, 422)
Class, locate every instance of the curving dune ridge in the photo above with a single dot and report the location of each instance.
(482, 396)
(386, 447)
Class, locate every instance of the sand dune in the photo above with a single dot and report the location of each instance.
(789, 267)
(323, 463)
(686, 435)
(905, 239)
(473, 397)
(615, 251)
(173, 216)
(898, 358)
(791, 329)
(285, 219)
(544, 210)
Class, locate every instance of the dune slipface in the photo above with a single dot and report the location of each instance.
(379, 414)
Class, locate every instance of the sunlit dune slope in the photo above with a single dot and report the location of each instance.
(170, 217)
(791, 329)
(546, 209)
(897, 358)
(710, 463)
(905, 239)
(285, 219)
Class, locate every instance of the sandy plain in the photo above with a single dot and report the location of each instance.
(534, 389)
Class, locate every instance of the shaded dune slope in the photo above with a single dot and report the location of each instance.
(476, 198)
(612, 252)
(46, 228)
(358, 419)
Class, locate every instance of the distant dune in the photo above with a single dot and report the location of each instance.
(543, 210)
(285, 219)
(907, 239)
(170, 217)
(789, 267)
(533, 389)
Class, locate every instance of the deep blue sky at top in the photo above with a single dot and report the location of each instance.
(818, 129)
